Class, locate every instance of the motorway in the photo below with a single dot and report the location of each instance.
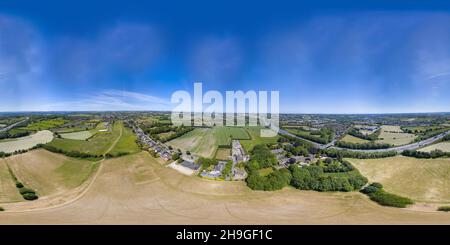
(412, 146)
(13, 125)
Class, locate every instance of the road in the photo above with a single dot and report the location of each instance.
(412, 146)
(13, 125)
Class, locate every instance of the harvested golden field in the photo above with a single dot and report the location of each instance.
(443, 146)
(136, 189)
(8, 190)
(27, 142)
(395, 136)
(49, 173)
(424, 180)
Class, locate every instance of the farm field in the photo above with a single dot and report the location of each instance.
(8, 190)
(353, 139)
(126, 143)
(256, 139)
(49, 173)
(395, 136)
(136, 189)
(223, 153)
(98, 144)
(205, 141)
(443, 146)
(81, 135)
(45, 124)
(25, 143)
(424, 180)
(200, 141)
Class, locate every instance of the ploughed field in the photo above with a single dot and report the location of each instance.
(138, 189)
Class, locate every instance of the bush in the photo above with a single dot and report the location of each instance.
(369, 189)
(444, 209)
(363, 146)
(2, 209)
(25, 190)
(377, 185)
(30, 196)
(19, 185)
(388, 199)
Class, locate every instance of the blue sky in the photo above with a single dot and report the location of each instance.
(323, 57)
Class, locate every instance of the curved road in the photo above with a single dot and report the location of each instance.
(13, 125)
(412, 146)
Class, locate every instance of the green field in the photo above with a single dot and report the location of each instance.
(87, 125)
(205, 141)
(395, 136)
(425, 180)
(99, 144)
(353, 139)
(45, 124)
(81, 135)
(256, 139)
(223, 153)
(224, 135)
(126, 143)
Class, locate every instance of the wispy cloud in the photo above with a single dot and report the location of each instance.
(111, 100)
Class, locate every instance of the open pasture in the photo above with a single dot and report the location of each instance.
(81, 135)
(353, 139)
(99, 144)
(394, 135)
(256, 139)
(45, 124)
(127, 143)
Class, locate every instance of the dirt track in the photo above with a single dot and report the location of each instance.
(138, 190)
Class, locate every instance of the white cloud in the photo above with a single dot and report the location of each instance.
(110, 100)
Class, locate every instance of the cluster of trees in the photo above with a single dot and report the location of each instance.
(428, 133)
(313, 177)
(206, 162)
(372, 137)
(75, 154)
(330, 165)
(178, 131)
(117, 154)
(260, 158)
(296, 142)
(421, 154)
(335, 153)
(377, 194)
(363, 146)
(176, 156)
(226, 172)
(274, 181)
(299, 150)
(316, 138)
(9, 135)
